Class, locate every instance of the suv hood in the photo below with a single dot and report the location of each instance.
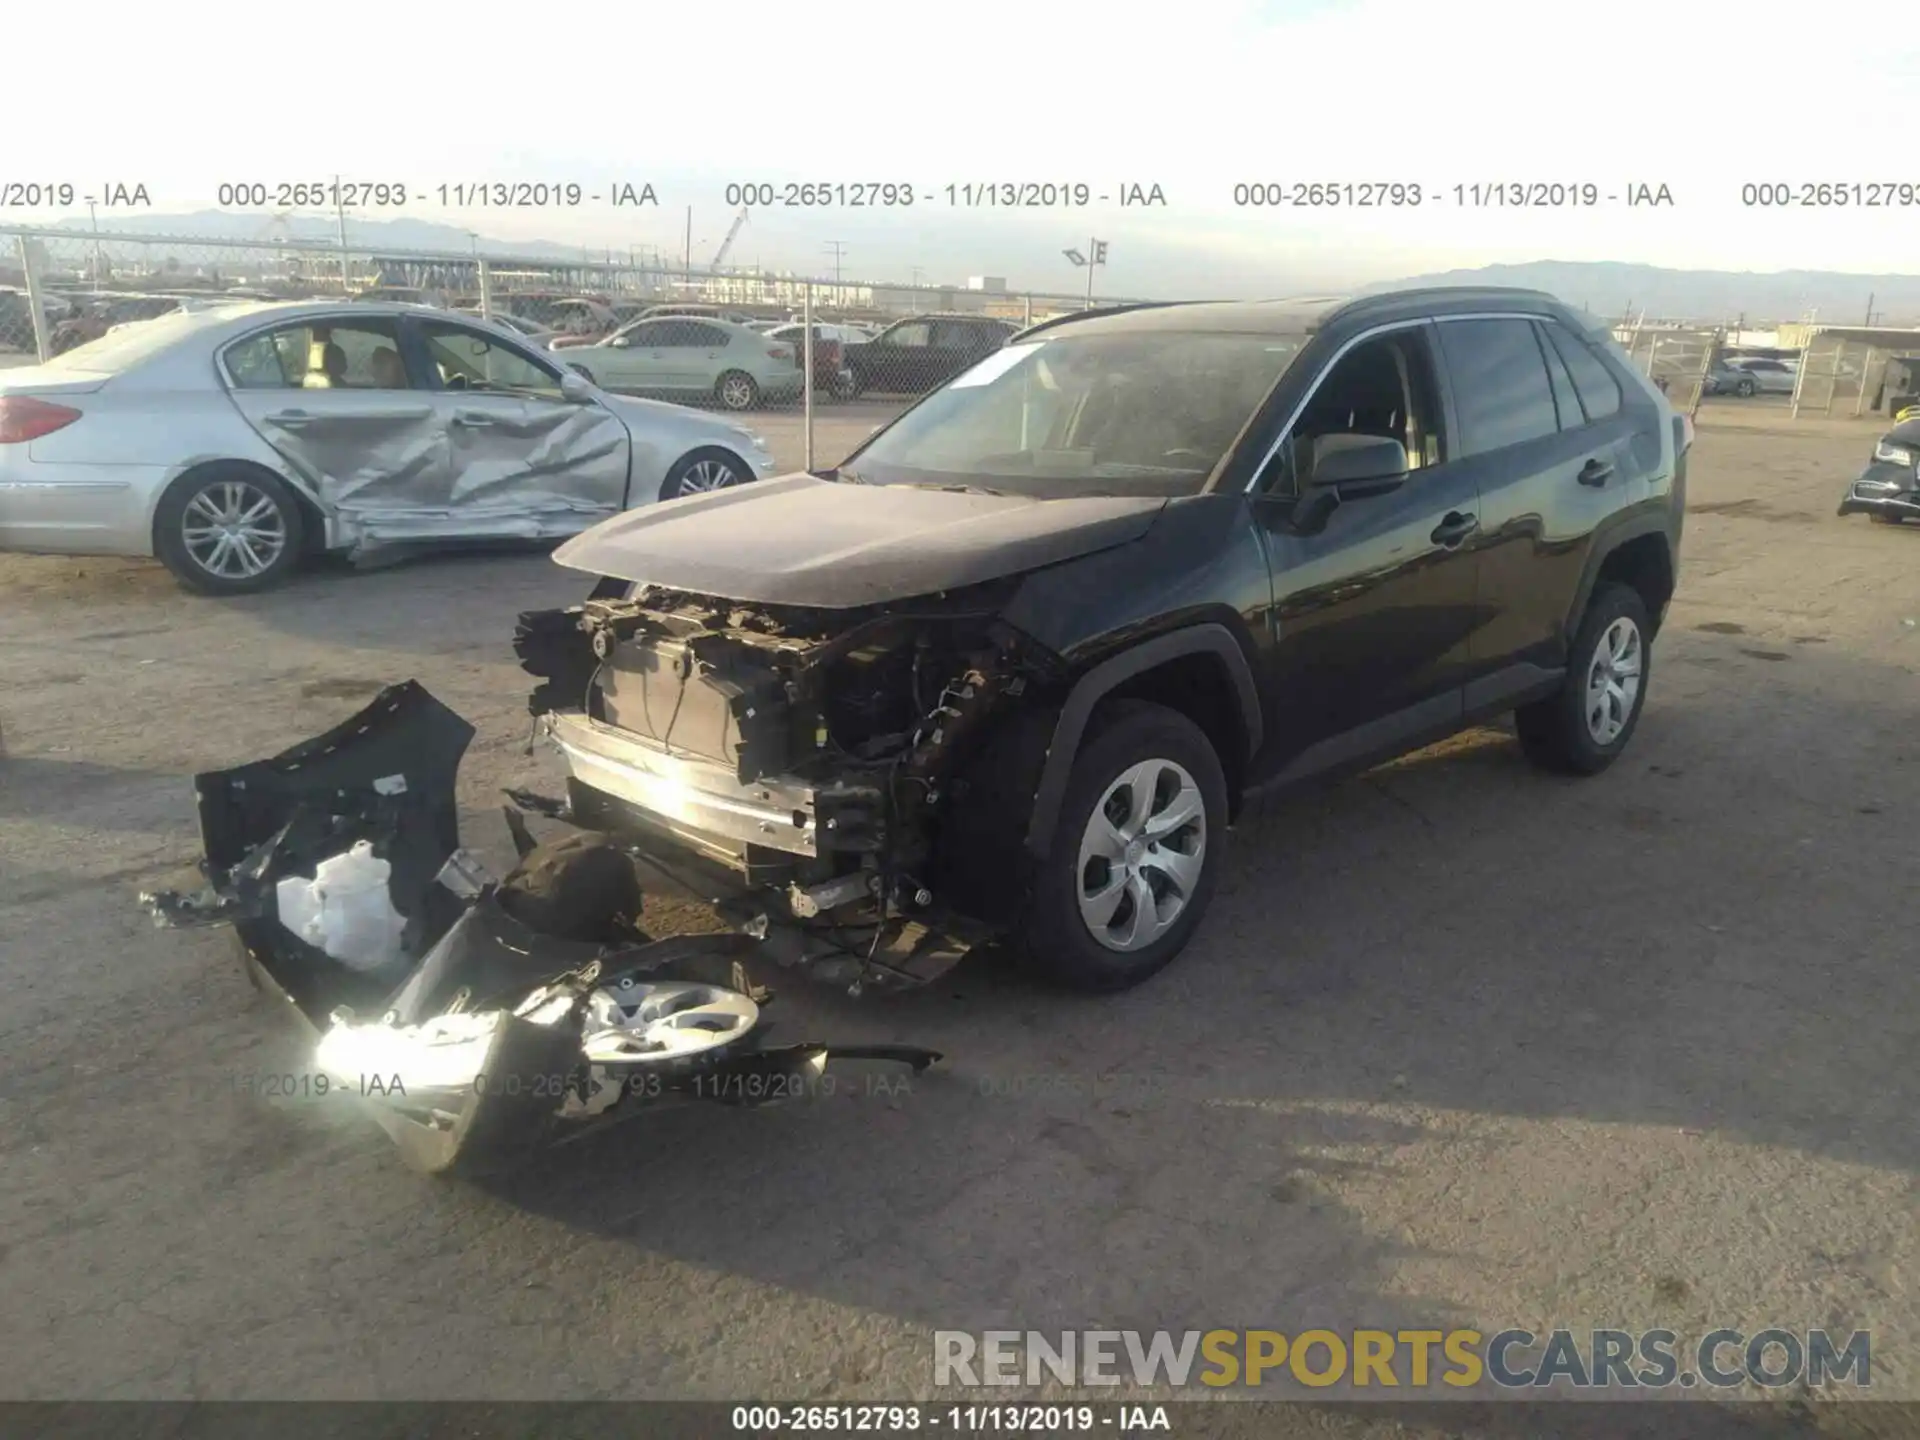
(799, 540)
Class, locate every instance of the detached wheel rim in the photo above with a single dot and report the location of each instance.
(708, 475)
(1613, 681)
(736, 392)
(233, 530)
(1141, 855)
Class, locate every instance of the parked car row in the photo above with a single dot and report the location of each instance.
(1735, 375)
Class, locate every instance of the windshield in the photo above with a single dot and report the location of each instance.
(1130, 413)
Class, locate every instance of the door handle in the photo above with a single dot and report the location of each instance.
(471, 417)
(1595, 473)
(292, 419)
(1455, 528)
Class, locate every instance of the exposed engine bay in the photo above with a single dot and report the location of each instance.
(812, 772)
(477, 1019)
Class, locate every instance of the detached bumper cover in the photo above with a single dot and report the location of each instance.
(510, 968)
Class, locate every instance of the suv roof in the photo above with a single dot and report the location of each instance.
(1293, 315)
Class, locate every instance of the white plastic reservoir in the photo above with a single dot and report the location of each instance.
(346, 909)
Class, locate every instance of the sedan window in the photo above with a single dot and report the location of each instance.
(321, 355)
(468, 360)
(918, 334)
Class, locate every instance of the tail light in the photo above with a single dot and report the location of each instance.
(24, 418)
(779, 352)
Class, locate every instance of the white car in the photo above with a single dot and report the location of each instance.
(1770, 377)
(231, 442)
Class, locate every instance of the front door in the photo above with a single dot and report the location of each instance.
(518, 451)
(334, 398)
(1374, 602)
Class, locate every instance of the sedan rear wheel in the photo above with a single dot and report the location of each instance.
(737, 390)
(229, 530)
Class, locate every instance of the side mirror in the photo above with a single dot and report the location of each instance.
(1356, 467)
(575, 388)
(619, 342)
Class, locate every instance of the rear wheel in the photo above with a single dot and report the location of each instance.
(737, 390)
(1880, 517)
(229, 530)
(704, 470)
(1581, 729)
(1140, 838)
(1744, 388)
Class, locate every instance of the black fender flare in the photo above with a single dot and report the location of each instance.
(1626, 528)
(1210, 638)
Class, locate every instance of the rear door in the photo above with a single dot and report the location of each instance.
(516, 446)
(333, 397)
(703, 350)
(900, 359)
(1546, 435)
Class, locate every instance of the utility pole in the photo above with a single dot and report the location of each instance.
(1870, 300)
(689, 244)
(917, 273)
(346, 281)
(838, 249)
(94, 216)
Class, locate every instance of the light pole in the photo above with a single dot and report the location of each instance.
(838, 249)
(1095, 256)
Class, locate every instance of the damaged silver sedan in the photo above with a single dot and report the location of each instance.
(235, 441)
(478, 1020)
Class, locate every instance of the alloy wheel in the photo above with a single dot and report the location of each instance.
(707, 475)
(1141, 854)
(736, 392)
(233, 530)
(1613, 681)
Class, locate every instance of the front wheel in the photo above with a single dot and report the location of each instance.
(737, 390)
(1581, 729)
(1880, 517)
(1744, 389)
(704, 470)
(1138, 851)
(229, 530)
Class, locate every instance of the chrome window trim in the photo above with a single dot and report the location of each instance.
(1374, 333)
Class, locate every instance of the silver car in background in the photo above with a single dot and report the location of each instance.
(231, 442)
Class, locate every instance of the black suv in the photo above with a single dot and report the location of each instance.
(913, 356)
(1011, 668)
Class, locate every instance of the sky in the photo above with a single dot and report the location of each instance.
(1195, 98)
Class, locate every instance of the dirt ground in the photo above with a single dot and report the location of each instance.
(1459, 1044)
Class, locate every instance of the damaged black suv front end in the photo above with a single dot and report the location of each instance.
(476, 1019)
(813, 773)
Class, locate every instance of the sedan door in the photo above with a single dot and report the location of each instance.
(522, 457)
(333, 398)
(633, 358)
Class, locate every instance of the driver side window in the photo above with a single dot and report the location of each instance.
(1384, 387)
(466, 359)
(917, 336)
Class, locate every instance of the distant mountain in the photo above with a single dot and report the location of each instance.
(1610, 287)
(396, 234)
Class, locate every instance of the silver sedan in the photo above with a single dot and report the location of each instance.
(233, 441)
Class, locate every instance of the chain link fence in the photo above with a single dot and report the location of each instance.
(1674, 358)
(1845, 375)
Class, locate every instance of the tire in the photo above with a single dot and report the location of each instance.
(1880, 517)
(1744, 389)
(202, 502)
(699, 471)
(1555, 732)
(737, 390)
(1136, 742)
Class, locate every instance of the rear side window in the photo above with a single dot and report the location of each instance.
(1500, 383)
(1599, 391)
(1564, 399)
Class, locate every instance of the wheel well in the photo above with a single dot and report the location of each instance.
(316, 526)
(1199, 687)
(1643, 563)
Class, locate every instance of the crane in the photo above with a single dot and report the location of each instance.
(720, 255)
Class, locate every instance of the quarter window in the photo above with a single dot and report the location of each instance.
(1500, 383)
(1599, 391)
(1564, 398)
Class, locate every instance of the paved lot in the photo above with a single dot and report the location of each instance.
(1459, 1043)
